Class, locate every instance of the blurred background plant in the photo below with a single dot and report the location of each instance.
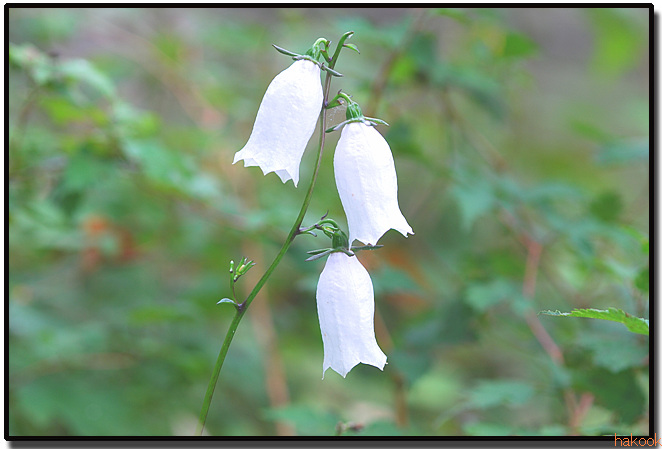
(521, 142)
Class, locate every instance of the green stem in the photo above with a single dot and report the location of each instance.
(243, 307)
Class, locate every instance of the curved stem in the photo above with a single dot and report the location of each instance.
(243, 307)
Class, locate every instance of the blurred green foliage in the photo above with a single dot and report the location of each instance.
(521, 143)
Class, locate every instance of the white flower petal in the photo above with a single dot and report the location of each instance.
(285, 122)
(367, 184)
(346, 308)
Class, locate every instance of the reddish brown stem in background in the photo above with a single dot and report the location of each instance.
(267, 338)
(399, 384)
(381, 80)
(534, 250)
(576, 411)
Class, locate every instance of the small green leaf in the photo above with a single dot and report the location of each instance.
(227, 301)
(352, 47)
(633, 323)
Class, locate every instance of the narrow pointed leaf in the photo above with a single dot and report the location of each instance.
(633, 323)
(352, 47)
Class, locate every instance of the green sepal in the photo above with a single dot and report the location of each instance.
(317, 251)
(323, 253)
(340, 240)
(339, 125)
(377, 121)
(353, 111)
(284, 51)
(367, 120)
(366, 247)
(331, 71)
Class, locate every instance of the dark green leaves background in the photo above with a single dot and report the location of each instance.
(521, 142)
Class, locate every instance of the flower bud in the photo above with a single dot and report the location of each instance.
(367, 184)
(285, 122)
(346, 308)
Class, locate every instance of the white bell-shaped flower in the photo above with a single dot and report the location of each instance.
(346, 308)
(285, 121)
(367, 184)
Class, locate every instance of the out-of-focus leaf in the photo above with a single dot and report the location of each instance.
(401, 137)
(614, 391)
(307, 420)
(475, 197)
(607, 206)
(412, 363)
(482, 88)
(491, 393)
(641, 281)
(454, 13)
(590, 131)
(618, 40)
(633, 323)
(435, 391)
(483, 429)
(519, 46)
(423, 51)
(29, 58)
(381, 429)
(624, 152)
(149, 315)
(82, 70)
(389, 280)
(137, 124)
(79, 404)
(388, 35)
(167, 168)
(45, 225)
(83, 171)
(64, 112)
(612, 353)
(483, 296)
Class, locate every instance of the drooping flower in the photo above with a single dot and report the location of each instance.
(285, 121)
(346, 307)
(367, 184)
